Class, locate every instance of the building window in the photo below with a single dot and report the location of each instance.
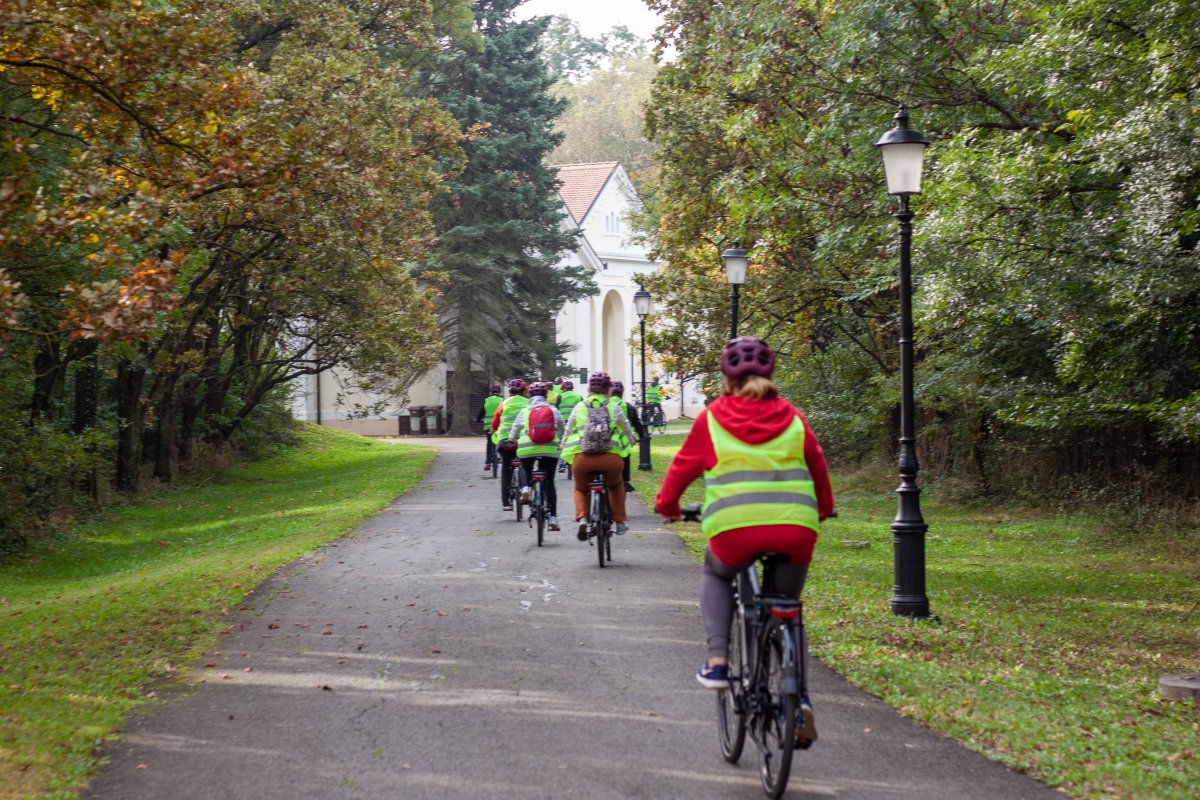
(612, 223)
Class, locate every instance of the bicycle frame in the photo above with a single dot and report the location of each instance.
(600, 516)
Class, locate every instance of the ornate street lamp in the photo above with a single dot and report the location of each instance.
(643, 304)
(903, 151)
(736, 265)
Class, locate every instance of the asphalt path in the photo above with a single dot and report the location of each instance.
(437, 652)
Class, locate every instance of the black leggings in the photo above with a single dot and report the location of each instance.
(547, 464)
(716, 596)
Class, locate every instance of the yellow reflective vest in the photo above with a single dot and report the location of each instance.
(508, 414)
(758, 484)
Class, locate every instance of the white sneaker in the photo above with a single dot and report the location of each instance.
(553, 523)
(525, 492)
(621, 528)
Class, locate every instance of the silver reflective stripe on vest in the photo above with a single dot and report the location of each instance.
(751, 476)
(751, 498)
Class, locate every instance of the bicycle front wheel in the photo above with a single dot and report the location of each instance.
(777, 731)
(731, 719)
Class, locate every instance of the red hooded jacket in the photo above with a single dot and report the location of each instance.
(754, 422)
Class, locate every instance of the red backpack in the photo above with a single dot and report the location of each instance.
(541, 425)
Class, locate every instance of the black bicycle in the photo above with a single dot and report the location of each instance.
(653, 418)
(514, 487)
(600, 518)
(767, 675)
(538, 511)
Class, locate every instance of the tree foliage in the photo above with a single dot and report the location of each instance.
(1056, 239)
(501, 227)
(200, 201)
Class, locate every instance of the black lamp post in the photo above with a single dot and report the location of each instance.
(643, 304)
(736, 264)
(903, 151)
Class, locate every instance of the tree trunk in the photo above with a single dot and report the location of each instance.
(459, 393)
(87, 398)
(129, 420)
(166, 451)
(49, 377)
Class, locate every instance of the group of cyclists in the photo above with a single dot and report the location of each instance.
(766, 481)
(553, 441)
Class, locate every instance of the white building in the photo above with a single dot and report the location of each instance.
(603, 328)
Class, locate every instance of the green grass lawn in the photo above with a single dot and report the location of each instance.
(88, 628)
(1051, 640)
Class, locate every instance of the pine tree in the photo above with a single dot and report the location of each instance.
(501, 226)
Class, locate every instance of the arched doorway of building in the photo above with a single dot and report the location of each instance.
(615, 350)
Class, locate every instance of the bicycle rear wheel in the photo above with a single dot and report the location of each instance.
(777, 732)
(539, 511)
(731, 719)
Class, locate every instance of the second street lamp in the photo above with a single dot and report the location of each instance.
(736, 265)
(903, 151)
(643, 304)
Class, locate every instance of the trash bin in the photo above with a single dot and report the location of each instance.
(433, 420)
(418, 422)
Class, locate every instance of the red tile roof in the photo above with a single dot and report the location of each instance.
(581, 185)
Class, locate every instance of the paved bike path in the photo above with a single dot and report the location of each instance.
(437, 652)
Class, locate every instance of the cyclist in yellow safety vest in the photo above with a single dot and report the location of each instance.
(618, 392)
(655, 394)
(566, 404)
(766, 491)
(583, 464)
(486, 412)
(535, 455)
(554, 393)
(502, 422)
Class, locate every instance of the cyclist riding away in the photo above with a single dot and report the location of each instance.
(537, 433)
(486, 412)
(609, 461)
(502, 422)
(618, 390)
(555, 392)
(766, 491)
(566, 404)
(654, 397)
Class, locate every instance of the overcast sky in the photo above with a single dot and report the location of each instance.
(596, 16)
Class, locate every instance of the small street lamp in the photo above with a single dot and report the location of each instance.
(736, 264)
(643, 304)
(903, 151)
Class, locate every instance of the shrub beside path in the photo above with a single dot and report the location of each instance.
(438, 652)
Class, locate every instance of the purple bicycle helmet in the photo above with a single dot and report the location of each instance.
(538, 389)
(568, 386)
(618, 387)
(599, 381)
(516, 385)
(496, 388)
(747, 355)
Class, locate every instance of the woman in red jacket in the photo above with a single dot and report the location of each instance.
(766, 490)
